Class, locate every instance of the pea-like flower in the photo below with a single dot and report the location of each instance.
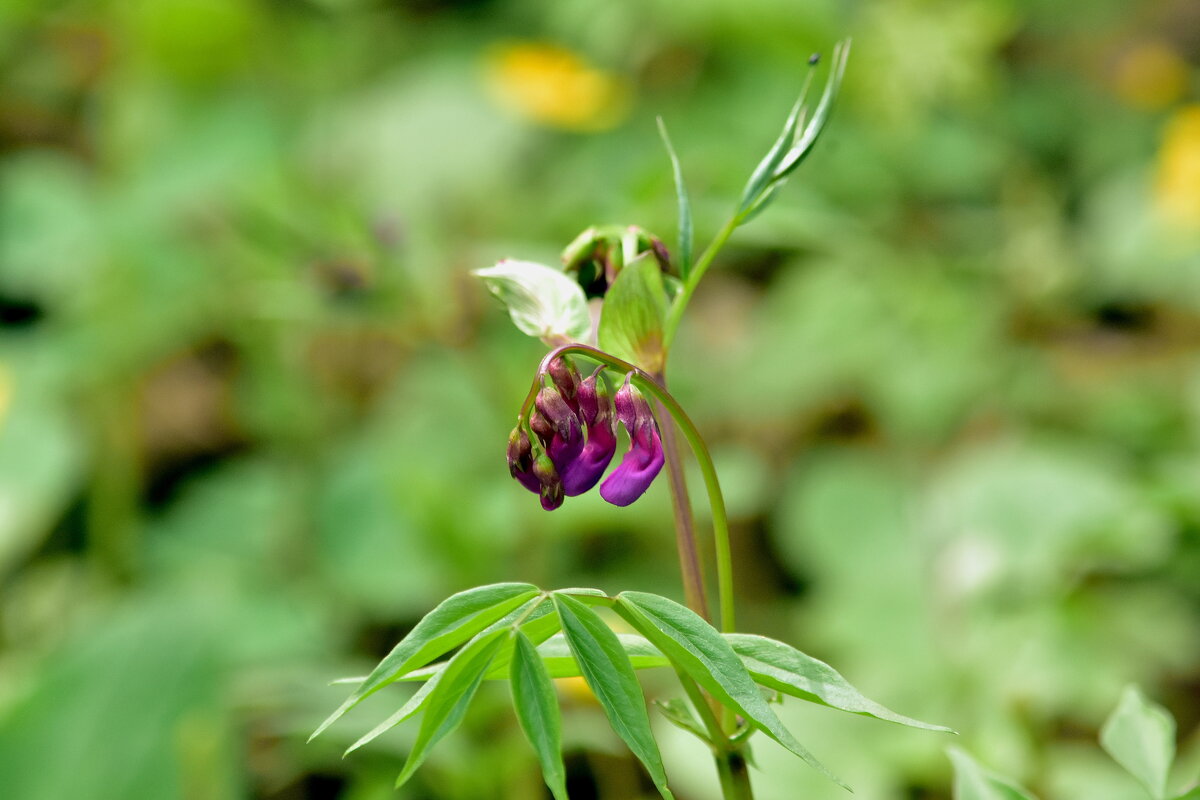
(574, 423)
(641, 465)
(596, 409)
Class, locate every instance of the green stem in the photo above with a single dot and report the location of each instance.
(727, 753)
(685, 526)
(644, 380)
(675, 315)
(734, 774)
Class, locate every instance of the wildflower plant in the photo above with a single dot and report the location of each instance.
(616, 305)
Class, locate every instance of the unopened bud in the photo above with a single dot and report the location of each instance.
(566, 379)
(550, 485)
(520, 459)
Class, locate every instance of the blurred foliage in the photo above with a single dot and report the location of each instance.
(253, 412)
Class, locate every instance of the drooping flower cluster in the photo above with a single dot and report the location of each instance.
(574, 425)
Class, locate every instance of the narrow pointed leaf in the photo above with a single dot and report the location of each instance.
(765, 171)
(1140, 736)
(808, 138)
(557, 656)
(414, 705)
(975, 782)
(561, 663)
(679, 714)
(447, 702)
(610, 676)
(685, 205)
(540, 624)
(695, 647)
(537, 711)
(785, 669)
(454, 621)
(633, 315)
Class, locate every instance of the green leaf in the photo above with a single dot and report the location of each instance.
(415, 704)
(542, 301)
(453, 622)
(685, 205)
(680, 714)
(804, 145)
(540, 624)
(610, 676)
(561, 663)
(1140, 736)
(1193, 794)
(634, 312)
(447, 702)
(785, 669)
(975, 782)
(537, 711)
(695, 647)
(765, 170)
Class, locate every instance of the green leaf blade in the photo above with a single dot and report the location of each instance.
(808, 138)
(1140, 736)
(610, 676)
(538, 712)
(415, 704)
(765, 171)
(684, 203)
(695, 647)
(972, 781)
(447, 702)
(634, 314)
(785, 669)
(454, 621)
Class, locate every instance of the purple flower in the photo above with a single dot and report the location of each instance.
(595, 407)
(574, 425)
(558, 427)
(640, 466)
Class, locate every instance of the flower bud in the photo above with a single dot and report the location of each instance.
(641, 465)
(520, 460)
(550, 486)
(565, 440)
(566, 379)
(596, 409)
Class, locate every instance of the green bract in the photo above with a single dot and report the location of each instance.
(542, 301)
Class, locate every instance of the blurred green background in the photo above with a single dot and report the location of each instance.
(253, 409)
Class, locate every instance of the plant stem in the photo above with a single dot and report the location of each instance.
(685, 527)
(734, 775)
(675, 314)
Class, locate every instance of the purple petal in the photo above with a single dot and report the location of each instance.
(638, 469)
(584, 472)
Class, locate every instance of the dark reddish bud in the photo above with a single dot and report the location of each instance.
(641, 465)
(550, 486)
(520, 459)
(566, 379)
